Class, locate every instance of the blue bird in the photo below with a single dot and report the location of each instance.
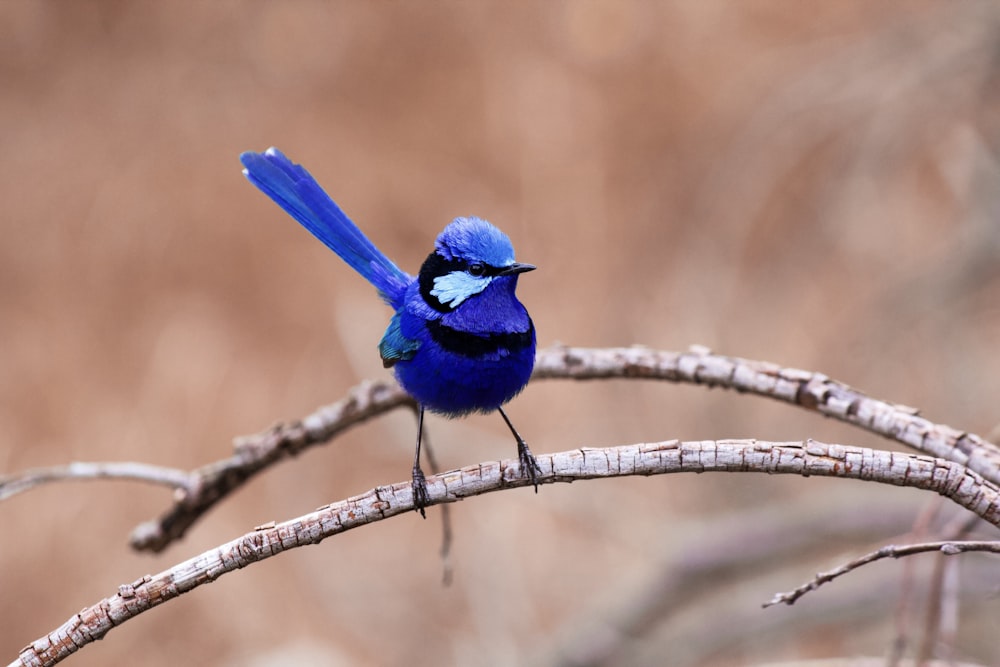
(459, 341)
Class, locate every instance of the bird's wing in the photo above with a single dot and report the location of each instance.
(394, 346)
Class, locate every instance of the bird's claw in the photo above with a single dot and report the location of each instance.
(529, 466)
(420, 496)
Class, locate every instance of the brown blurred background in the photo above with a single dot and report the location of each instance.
(813, 184)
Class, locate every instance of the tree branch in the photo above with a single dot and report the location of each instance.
(206, 486)
(806, 389)
(889, 551)
(12, 485)
(949, 479)
(258, 452)
(813, 391)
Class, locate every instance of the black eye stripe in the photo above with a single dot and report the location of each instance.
(491, 271)
(435, 266)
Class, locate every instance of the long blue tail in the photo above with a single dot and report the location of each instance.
(296, 191)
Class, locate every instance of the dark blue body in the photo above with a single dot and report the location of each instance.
(459, 340)
(455, 383)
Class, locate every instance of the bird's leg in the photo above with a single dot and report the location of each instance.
(529, 466)
(419, 483)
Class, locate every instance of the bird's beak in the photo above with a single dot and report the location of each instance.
(515, 268)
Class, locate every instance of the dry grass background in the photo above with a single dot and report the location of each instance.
(809, 183)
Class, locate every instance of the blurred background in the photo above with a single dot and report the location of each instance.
(814, 184)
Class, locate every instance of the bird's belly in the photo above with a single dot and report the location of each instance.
(454, 384)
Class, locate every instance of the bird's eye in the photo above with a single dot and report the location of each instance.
(477, 269)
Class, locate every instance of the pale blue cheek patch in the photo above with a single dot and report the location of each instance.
(453, 288)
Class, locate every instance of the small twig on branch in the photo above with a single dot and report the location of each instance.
(11, 485)
(919, 532)
(952, 480)
(447, 570)
(734, 547)
(890, 551)
(941, 607)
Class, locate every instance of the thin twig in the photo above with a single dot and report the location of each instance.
(949, 479)
(12, 485)
(937, 606)
(733, 548)
(908, 580)
(447, 569)
(890, 551)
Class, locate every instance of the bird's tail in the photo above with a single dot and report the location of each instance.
(296, 191)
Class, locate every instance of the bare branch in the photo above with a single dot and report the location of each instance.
(255, 453)
(698, 366)
(890, 551)
(949, 479)
(12, 485)
(813, 391)
(206, 486)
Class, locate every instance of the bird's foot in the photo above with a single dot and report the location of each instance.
(529, 466)
(420, 497)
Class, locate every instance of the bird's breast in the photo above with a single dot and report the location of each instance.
(472, 359)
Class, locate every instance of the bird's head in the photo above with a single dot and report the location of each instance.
(469, 255)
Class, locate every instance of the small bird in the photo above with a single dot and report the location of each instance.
(459, 341)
